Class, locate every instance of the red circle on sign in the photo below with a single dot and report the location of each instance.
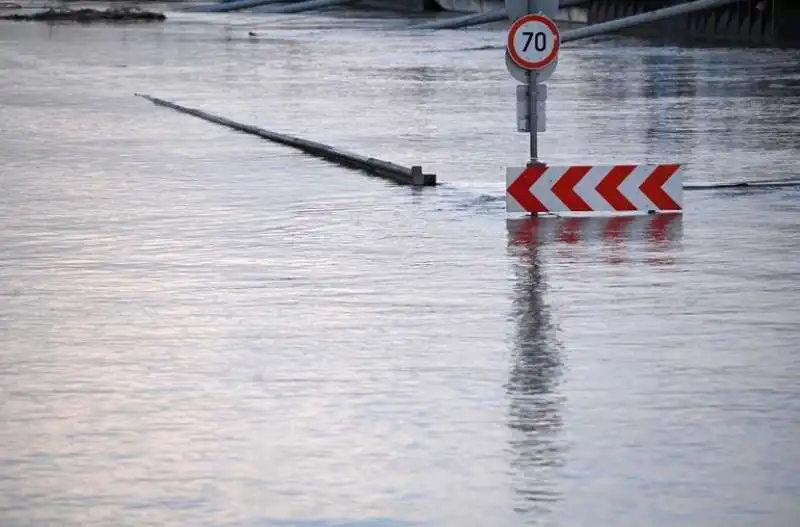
(512, 34)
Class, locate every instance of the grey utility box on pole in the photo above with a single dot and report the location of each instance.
(524, 104)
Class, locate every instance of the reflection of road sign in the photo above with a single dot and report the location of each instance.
(520, 75)
(533, 42)
(518, 8)
(623, 188)
(657, 230)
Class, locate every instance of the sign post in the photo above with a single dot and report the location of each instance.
(532, 49)
(533, 45)
(533, 117)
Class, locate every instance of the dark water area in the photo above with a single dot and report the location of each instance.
(198, 327)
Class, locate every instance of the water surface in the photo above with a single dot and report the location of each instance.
(198, 327)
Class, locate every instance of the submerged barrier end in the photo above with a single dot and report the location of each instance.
(377, 167)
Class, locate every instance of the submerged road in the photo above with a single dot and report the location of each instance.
(202, 328)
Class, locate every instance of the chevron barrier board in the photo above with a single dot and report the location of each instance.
(542, 189)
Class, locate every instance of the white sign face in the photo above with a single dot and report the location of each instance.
(520, 75)
(533, 42)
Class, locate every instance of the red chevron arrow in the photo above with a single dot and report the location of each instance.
(653, 187)
(608, 188)
(564, 189)
(520, 189)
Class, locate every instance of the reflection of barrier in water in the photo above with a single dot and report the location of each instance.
(534, 399)
(656, 229)
(656, 234)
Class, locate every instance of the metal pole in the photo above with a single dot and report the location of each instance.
(773, 35)
(533, 117)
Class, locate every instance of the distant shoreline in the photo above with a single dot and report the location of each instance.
(121, 14)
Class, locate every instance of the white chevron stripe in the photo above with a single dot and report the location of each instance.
(542, 189)
(674, 188)
(630, 187)
(586, 189)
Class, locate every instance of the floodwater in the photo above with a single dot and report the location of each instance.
(198, 327)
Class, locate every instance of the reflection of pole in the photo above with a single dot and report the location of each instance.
(534, 413)
(683, 85)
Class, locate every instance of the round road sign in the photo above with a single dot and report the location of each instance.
(533, 42)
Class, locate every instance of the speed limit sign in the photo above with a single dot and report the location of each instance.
(533, 42)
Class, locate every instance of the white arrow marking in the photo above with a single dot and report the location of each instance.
(542, 189)
(586, 189)
(630, 187)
